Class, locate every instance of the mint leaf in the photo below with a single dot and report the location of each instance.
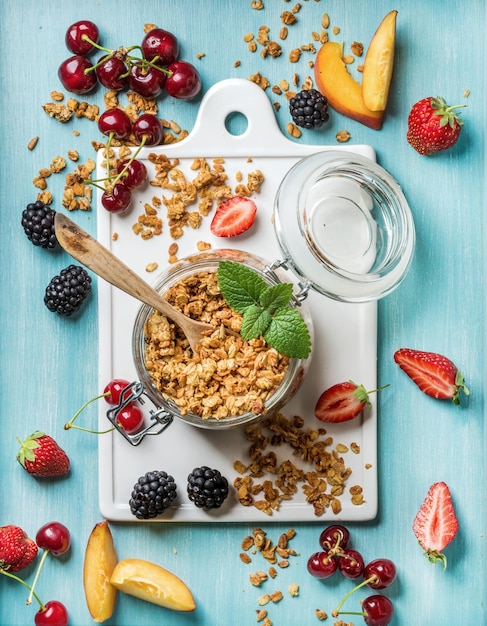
(255, 322)
(276, 297)
(288, 333)
(239, 285)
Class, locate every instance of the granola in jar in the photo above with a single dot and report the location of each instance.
(227, 376)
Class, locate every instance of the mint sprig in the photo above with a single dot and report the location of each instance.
(266, 311)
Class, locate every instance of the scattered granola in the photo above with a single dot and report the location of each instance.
(322, 484)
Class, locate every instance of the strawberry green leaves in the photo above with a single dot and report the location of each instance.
(265, 309)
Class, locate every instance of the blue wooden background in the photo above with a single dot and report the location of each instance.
(49, 364)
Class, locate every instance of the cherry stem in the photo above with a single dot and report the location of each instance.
(36, 577)
(14, 577)
(131, 59)
(70, 424)
(348, 594)
(130, 161)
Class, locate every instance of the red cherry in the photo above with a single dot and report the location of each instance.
(184, 82)
(54, 537)
(112, 73)
(350, 563)
(322, 565)
(130, 418)
(118, 200)
(74, 36)
(53, 613)
(162, 44)
(135, 174)
(334, 537)
(380, 573)
(148, 126)
(145, 80)
(114, 389)
(378, 610)
(115, 122)
(74, 75)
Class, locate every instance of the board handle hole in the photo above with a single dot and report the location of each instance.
(236, 123)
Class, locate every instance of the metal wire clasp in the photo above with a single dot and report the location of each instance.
(160, 419)
(304, 287)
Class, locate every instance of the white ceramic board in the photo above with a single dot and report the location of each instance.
(345, 334)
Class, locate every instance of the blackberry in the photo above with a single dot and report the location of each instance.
(38, 224)
(66, 292)
(152, 494)
(207, 488)
(309, 108)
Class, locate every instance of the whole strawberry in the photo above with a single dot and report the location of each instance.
(433, 126)
(17, 550)
(41, 456)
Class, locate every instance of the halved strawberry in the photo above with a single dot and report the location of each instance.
(342, 402)
(436, 523)
(233, 217)
(434, 374)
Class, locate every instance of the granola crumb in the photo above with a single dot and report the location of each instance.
(151, 267)
(321, 615)
(32, 143)
(342, 136)
(293, 590)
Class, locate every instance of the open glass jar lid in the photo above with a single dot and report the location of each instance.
(344, 226)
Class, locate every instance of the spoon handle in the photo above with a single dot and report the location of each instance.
(91, 253)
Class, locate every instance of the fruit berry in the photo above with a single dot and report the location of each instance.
(207, 488)
(17, 550)
(342, 402)
(435, 374)
(436, 523)
(38, 224)
(233, 217)
(67, 291)
(41, 456)
(129, 418)
(334, 538)
(350, 563)
(54, 537)
(76, 75)
(81, 36)
(309, 109)
(322, 564)
(433, 125)
(152, 494)
(53, 613)
(160, 46)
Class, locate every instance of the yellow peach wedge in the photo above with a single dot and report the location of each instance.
(152, 583)
(341, 90)
(379, 64)
(100, 561)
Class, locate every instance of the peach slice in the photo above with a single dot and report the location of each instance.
(343, 93)
(152, 583)
(379, 63)
(100, 561)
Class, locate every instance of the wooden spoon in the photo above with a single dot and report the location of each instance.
(87, 250)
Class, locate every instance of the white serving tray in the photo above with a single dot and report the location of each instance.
(345, 334)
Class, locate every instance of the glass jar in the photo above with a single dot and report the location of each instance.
(344, 226)
(204, 262)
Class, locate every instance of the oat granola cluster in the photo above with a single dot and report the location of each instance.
(227, 376)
